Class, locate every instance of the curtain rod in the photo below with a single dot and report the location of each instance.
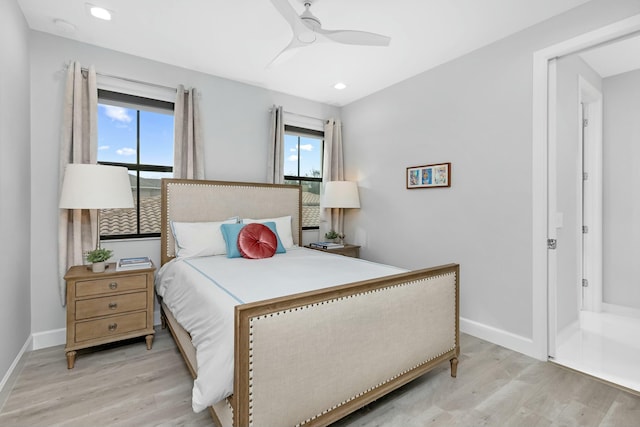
(111, 76)
(300, 115)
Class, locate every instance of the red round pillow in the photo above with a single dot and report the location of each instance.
(257, 241)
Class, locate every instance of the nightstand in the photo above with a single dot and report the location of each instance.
(348, 250)
(107, 307)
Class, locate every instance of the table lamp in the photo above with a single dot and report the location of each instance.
(89, 186)
(341, 195)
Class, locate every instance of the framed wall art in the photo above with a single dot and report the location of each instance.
(429, 176)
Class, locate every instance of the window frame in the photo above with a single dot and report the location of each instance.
(131, 102)
(289, 129)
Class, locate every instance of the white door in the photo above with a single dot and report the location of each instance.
(564, 215)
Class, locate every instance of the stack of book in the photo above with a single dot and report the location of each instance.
(326, 245)
(124, 264)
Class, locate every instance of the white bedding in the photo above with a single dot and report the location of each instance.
(202, 293)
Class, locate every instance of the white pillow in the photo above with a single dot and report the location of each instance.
(283, 226)
(194, 239)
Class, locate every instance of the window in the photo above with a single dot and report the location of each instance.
(303, 151)
(136, 133)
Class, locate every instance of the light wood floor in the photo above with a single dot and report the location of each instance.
(126, 385)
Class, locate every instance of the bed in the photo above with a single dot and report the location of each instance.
(313, 356)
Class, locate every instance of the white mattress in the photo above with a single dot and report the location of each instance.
(202, 293)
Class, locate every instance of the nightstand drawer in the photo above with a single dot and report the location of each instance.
(107, 307)
(115, 325)
(110, 305)
(114, 284)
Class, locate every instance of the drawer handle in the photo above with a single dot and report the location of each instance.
(113, 305)
(112, 327)
(113, 285)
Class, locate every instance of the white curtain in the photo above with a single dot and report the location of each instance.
(78, 144)
(275, 159)
(188, 152)
(332, 170)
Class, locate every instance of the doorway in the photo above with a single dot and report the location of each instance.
(562, 206)
(575, 194)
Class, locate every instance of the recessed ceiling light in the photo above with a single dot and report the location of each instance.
(99, 12)
(340, 86)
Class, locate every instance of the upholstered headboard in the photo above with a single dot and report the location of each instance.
(187, 200)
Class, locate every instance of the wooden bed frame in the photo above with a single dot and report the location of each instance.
(313, 358)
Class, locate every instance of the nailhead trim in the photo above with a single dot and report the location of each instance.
(278, 313)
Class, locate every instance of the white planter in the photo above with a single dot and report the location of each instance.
(98, 267)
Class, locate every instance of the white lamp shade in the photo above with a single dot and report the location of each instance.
(341, 194)
(88, 186)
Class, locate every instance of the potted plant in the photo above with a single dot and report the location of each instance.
(97, 258)
(334, 236)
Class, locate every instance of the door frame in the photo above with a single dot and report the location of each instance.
(590, 247)
(540, 167)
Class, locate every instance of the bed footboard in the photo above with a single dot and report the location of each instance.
(313, 358)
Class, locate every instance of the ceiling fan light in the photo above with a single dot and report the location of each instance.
(340, 86)
(307, 37)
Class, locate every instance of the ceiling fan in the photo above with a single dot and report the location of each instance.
(307, 30)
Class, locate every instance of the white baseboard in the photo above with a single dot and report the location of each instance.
(620, 310)
(7, 382)
(498, 336)
(48, 339)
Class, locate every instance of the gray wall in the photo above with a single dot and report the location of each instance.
(475, 112)
(621, 197)
(15, 322)
(568, 184)
(235, 127)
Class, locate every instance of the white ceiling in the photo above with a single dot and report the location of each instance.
(236, 39)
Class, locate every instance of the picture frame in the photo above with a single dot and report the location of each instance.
(436, 175)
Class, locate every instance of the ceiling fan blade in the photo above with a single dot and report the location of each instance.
(290, 15)
(306, 29)
(286, 53)
(355, 37)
